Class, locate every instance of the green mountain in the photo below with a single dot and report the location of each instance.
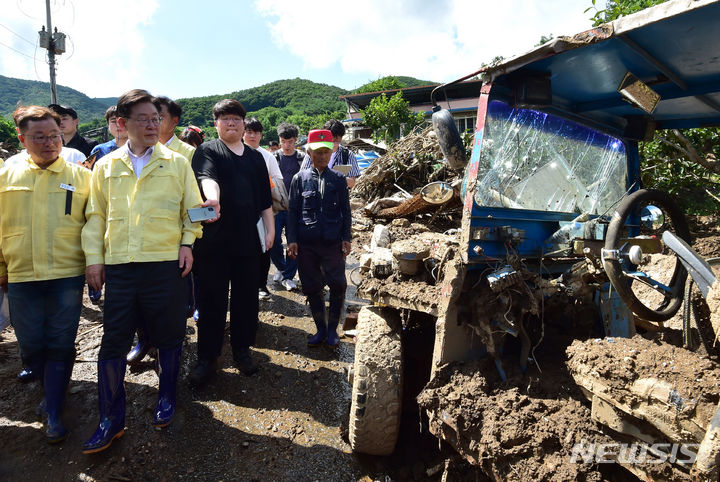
(303, 102)
(14, 92)
(413, 82)
(291, 96)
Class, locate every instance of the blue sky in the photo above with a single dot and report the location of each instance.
(183, 48)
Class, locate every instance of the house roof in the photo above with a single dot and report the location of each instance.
(674, 48)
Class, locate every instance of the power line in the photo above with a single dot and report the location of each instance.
(16, 50)
(17, 34)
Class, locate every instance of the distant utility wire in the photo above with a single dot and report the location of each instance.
(17, 35)
(16, 50)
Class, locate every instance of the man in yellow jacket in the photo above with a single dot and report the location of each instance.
(42, 213)
(170, 112)
(138, 242)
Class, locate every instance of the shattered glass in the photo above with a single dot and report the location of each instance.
(534, 160)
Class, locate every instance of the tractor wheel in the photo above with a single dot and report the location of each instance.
(377, 382)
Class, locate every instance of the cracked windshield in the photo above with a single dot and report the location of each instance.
(533, 160)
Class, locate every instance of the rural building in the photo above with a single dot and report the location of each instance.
(460, 99)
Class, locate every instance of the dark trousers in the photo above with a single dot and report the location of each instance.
(321, 264)
(216, 272)
(153, 292)
(285, 264)
(45, 316)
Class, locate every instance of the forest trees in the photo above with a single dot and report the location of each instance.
(390, 117)
(7, 131)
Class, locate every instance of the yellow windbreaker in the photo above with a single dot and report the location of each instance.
(131, 220)
(42, 213)
(182, 148)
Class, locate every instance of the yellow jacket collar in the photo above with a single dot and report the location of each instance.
(57, 166)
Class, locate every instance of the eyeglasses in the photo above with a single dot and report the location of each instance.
(235, 120)
(143, 121)
(43, 139)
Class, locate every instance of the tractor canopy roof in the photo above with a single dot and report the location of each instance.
(656, 69)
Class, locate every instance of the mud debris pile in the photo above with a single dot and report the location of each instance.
(390, 187)
(671, 389)
(522, 429)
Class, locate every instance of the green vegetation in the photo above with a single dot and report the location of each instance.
(7, 130)
(14, 92)
(390, 82)
(302, 102)
(390, 117)
(383, 83)
(619, 8)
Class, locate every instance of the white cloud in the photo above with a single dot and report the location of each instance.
(103, 47)
(428, 39)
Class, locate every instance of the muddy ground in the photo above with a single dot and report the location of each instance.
(288, 422)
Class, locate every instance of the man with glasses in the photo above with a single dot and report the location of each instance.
(234, 177)
(42, 213)
(170, 113)
(138, 242)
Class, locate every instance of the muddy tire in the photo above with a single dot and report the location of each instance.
(377, 382)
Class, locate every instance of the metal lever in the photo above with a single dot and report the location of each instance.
(701, 272)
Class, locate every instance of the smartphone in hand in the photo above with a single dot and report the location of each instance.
(201, 214)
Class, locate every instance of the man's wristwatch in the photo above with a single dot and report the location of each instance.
(191, 246)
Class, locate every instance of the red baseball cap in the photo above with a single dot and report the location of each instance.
(319, 138)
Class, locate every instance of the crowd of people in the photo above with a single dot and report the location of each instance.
(116, 216)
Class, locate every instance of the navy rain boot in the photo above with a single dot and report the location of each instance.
(317, 308)
(337, 300)
(139, 351)
(332, 337)
(168, 371)
(319, 337)
(111, 402)
(56, 379)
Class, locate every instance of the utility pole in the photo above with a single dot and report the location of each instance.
(55, 44)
